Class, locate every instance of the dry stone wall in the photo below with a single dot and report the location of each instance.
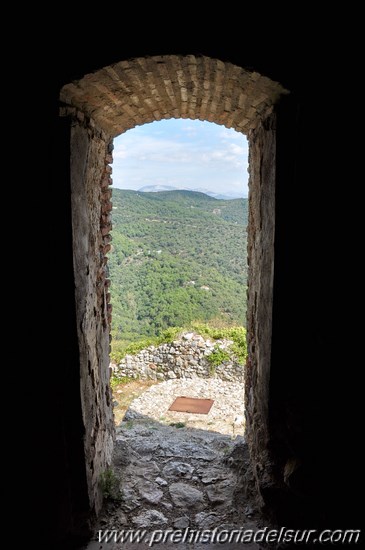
(183, 358)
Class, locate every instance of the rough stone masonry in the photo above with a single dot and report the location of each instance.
(183, 358)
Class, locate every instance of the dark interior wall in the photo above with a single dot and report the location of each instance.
(60, 494)
(314, 418)
(313, 414)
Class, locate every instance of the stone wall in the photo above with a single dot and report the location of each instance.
(183, 358)
(90, 200)
(260, 296)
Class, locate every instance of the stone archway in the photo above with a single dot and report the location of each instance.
(109, 102)
(137, 91)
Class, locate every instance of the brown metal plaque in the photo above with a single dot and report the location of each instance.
(191, 405)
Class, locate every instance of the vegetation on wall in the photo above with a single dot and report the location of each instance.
(238, 348)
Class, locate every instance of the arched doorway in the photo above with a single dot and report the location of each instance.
(109, 102)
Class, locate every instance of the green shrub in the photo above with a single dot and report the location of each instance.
(117, 350)
(218, 356)
(237, 334)
(170, 334)
(239, 346)
(109, 482)
(120, 380)
(178, 424)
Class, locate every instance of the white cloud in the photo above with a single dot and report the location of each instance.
(229, 134)
(152, 149)
(189, 129)
(120, 151)
(174, 152)
(228, 154)
(237, 149)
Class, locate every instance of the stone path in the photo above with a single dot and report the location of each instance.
(183, 477)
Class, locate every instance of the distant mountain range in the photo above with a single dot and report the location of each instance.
(229, 195)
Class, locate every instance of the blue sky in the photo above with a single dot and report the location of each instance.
(182, 153)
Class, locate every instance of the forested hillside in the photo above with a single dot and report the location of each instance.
(177, 257)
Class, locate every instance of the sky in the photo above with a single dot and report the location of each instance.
(184, 154)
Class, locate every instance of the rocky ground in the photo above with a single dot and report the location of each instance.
(225, 417)
(180, 471)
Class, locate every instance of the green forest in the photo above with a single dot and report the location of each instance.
(177, 257)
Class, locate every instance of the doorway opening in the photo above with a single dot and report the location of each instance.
(178, 261)
(178, 271)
